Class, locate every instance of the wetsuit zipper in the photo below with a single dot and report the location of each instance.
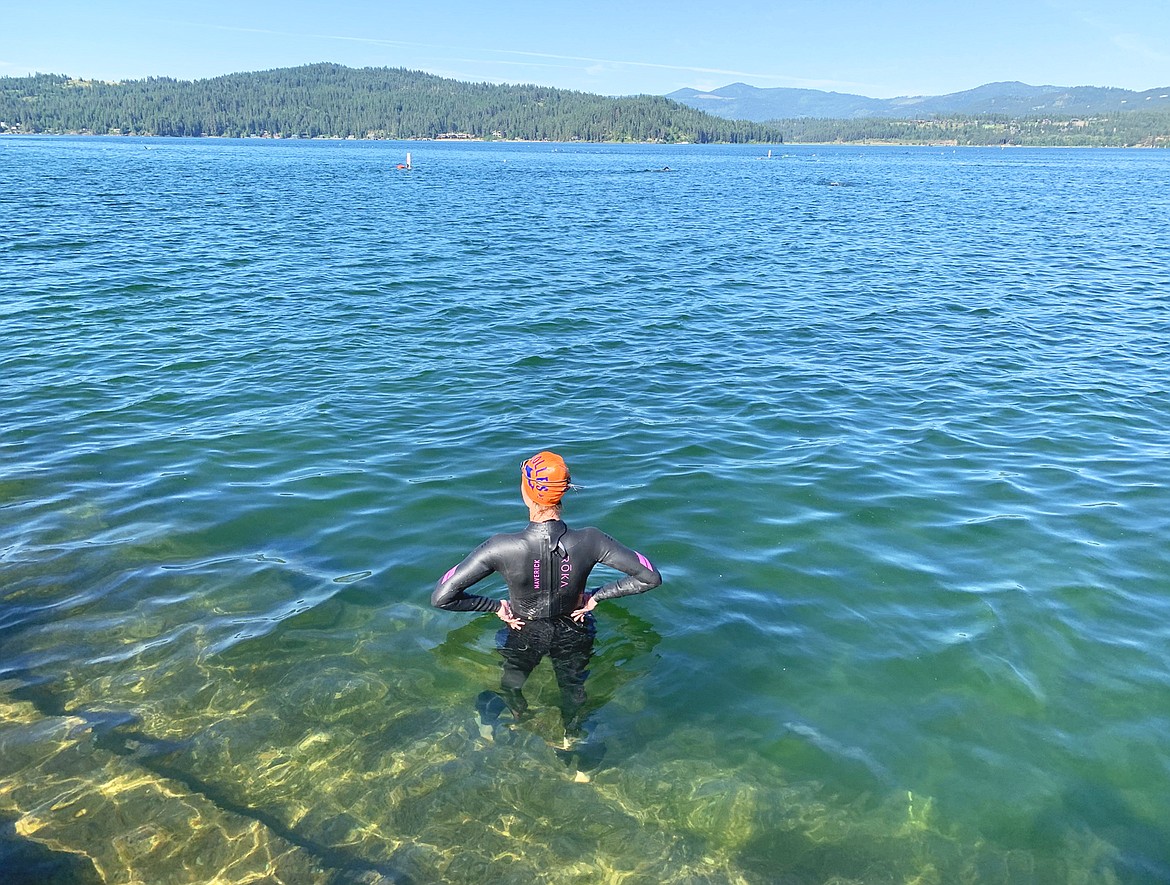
(546, 572)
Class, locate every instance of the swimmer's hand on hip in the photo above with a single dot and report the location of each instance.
(505, 614)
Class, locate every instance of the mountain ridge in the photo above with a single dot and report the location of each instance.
(327, 100)
(739, 101)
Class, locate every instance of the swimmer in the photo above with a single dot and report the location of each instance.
(548, 610)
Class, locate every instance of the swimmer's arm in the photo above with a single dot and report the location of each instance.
(641, 575)
(449, 592)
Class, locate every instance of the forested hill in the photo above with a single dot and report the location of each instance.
(328, 100)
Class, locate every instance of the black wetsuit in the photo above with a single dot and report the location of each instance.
(546, 567)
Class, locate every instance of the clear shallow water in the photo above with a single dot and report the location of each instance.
(891, 422)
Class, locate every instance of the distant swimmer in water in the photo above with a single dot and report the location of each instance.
(548, 610)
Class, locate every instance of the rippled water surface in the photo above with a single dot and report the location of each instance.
(892, 423)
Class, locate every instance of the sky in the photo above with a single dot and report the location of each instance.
(877, 48)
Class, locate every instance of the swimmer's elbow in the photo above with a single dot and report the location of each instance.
(642, 584)
(440, 598)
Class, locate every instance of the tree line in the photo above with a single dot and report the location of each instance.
(332, 101)
(1121, 129)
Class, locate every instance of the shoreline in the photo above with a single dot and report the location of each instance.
(477, 140)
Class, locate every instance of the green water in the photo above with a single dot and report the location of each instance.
(890, 422)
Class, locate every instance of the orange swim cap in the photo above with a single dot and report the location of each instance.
(545, 478)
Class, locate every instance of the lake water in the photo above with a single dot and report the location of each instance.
(892, 422)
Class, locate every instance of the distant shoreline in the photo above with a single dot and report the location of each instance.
(332, 102)
(417, 139)
(8, 133)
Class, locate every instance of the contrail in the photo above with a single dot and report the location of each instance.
(378, 41)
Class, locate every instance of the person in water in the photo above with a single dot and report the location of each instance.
(548, 610)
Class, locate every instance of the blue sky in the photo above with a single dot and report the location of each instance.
(879, 48)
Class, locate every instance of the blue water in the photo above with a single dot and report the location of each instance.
(891, 422)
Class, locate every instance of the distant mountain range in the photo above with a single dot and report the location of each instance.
(742, 102)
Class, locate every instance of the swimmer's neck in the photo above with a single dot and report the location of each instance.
(538, 513)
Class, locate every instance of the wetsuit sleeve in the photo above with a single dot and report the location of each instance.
(449, 593)
(641, 575)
